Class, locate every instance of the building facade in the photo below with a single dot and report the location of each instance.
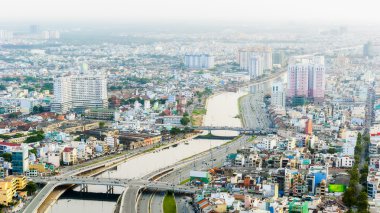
(245, 56)
(255, 68)
(199, 61)
(84, 90)
(278, 97)
(307, 79)
(20, 160)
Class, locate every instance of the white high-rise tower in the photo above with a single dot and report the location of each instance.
(84, 90)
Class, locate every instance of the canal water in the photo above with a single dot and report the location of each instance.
(222, 110)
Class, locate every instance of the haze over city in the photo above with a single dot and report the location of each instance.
(240, 11)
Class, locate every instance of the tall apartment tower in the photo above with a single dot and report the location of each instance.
(80, 91)
(199, 61)
(245, 56)
(278, 97)
(255, 68)
(307, 78)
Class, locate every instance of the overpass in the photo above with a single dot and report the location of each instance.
(129, 197)
(264, 84)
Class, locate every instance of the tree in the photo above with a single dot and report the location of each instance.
(185, 120)
(331, 151)
(31, 187)
(7, 156)
(35, 138)
(38, 109)
(349, 197)
(13, 115)
(102, 124)
(175, 131)
(34, 151)
(354, 175)
(362, 202)
(48, 86)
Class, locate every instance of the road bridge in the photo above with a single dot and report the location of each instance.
(130, 194)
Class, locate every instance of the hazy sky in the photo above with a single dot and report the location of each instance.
(335, 11)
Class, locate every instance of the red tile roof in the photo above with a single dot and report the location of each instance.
(9, 144)
(68, 149)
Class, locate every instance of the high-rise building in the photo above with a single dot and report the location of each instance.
(20, 160)
(278, 58)
(54, 34)
(298, 81)
(307, 78)
(6, 35)
(278, 97)
(80, 91)
(255, 68)
(34, 29)
(372, 48)
(199, 61)
(51, 35)
(245, 56)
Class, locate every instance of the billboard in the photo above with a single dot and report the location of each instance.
(337, 187)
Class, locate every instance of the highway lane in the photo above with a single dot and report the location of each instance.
(204, 162)
(253, 112)
(183, 206)
(128, 201)
(39, 198)
(144, 202)
(156, 202)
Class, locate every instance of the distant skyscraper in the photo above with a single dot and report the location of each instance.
(307, 78)
(84, 90)
(255, 67)
(199, 61)
(372, 48)
(34, 29)
(278, 94)
(45, 35)
(51, 35)
(54, 34)
(6, 35)
(278, 58)
(245, 56)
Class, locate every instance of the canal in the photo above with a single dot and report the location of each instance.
(222, 110)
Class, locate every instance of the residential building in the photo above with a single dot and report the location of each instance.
(245, 56)
(69, 156)
(80, 91)
(278, 97)
(307, 79)
(199, 61)
(255, 67)
(9, 186)
(103, 114)
(20, 160)
(344, 162)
